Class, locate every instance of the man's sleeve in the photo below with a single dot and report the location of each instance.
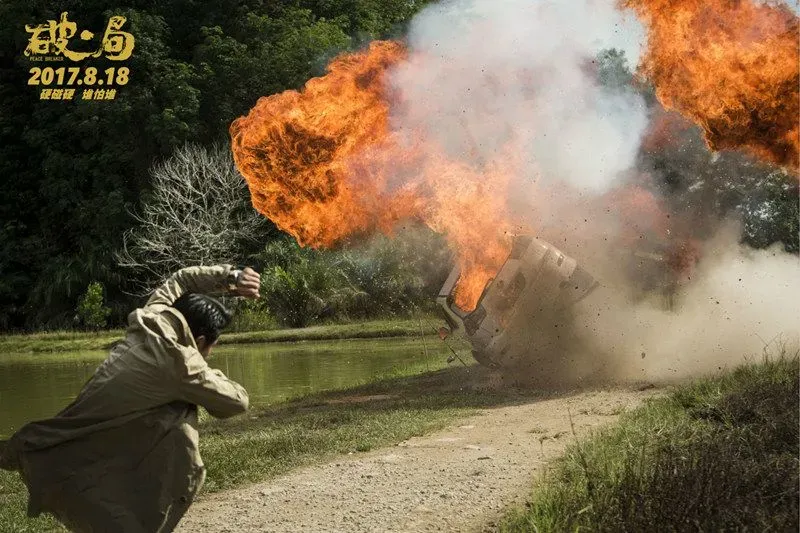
(200, 279)
(197, 383)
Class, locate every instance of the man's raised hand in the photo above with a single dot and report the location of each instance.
(248, 284)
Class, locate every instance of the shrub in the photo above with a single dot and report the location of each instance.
(391, 276)
(251, 315)
(91, 311)
(300, 285)
(381, 277)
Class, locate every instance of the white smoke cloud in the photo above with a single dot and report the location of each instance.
(483, 72)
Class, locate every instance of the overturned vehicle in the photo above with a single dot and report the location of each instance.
(524, 311)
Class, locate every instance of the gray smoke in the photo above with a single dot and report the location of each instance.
(484, 75)
(741, 304)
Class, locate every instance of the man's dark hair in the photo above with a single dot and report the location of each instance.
(205, 315)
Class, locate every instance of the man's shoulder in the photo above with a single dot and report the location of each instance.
(162, 321)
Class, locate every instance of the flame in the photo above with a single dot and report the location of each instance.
(731, 66)
(324, 164)
(295, 150)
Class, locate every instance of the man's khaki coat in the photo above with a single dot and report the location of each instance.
(123, 457)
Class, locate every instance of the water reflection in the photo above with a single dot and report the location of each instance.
(35, 386)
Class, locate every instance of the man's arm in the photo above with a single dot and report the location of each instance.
(193, 380)
(197, 383)
(200, 279)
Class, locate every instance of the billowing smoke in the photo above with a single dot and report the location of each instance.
(741, 304)
(484, 74)
(496, 117)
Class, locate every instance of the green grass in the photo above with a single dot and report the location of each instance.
(59, 341)
(13, 505)
(272, 440)
(73, 341)
(720, 454)
(373, 329)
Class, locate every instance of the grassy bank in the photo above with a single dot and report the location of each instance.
(717, 455)
(73, 341)
(272, 440)
(276, 439)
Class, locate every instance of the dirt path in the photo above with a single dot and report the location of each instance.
(458, 479)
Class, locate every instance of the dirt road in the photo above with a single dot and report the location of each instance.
(458, 479)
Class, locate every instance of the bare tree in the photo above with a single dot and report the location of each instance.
(197, 214)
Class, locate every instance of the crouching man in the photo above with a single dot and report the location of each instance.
(123, 456)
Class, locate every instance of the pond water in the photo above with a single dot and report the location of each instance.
(36, 386)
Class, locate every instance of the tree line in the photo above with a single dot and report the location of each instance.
(74, 172)
(87, 186)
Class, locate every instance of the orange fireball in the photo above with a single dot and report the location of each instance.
(323, 164)
(296, 150)
(729, 66)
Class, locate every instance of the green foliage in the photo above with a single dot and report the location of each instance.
(703, 188)
(300, 285)
(385, 277)
(251, 315)
(719, 455)
(394, 276)
(73, 172)
(770, 212)
(613, 70)
(91, 311)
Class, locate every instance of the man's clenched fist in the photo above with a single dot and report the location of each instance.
(248, 284)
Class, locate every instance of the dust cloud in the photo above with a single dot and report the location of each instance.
(740, 304)
(490, 73)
